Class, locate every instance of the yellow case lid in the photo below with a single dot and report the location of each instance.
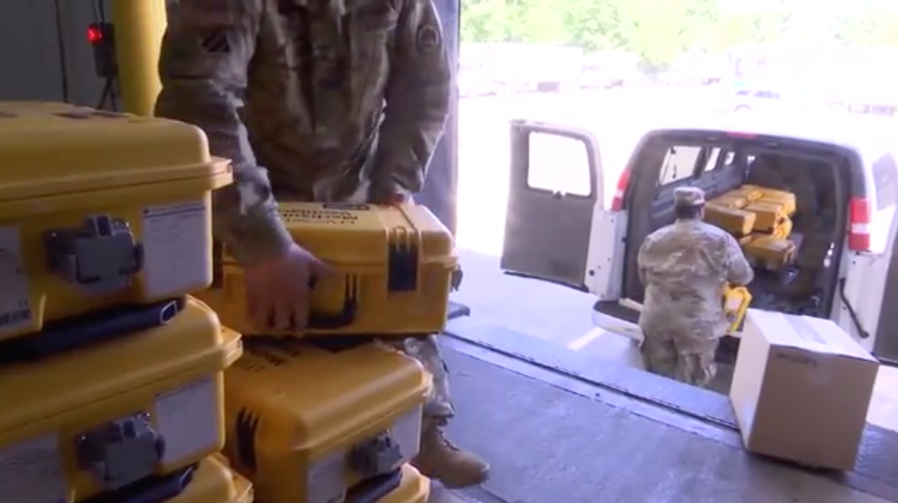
(191, 344)
(54, 149)
(366, 233)
(321, 394)
(214, 481)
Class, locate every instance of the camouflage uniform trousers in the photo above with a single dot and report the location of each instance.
(688, 358)
(438, 408)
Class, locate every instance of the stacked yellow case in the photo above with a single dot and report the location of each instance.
(112, 378)
(760, 218)
(334, 413)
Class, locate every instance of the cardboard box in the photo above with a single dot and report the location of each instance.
(801, 389)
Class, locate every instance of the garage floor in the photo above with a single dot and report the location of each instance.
(565, 416)
(553, 438)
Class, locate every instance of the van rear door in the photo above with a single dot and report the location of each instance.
(557, 228)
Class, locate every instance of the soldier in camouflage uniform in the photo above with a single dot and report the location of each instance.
(812, 183)
(684, 267)
(341, 101)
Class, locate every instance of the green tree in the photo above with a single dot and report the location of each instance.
(870, 27)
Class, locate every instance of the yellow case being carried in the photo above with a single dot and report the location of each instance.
(769, 252)
(100, 208)
(769, 214)
(736, 300)
(737, 222)
(392, 270)
(414, 488)
(307, 424)
(214, 482)
(98, 418)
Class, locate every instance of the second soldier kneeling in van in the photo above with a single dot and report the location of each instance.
(684, 268)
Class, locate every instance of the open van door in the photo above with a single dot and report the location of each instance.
(866, 295)
(557, 228)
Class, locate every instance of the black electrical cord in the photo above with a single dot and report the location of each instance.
(109, 93)
(60, 45)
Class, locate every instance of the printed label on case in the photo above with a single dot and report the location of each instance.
(176, 245)
(15, 306)
(31, 472)
(188, 420)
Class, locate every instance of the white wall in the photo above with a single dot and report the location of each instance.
(30, 66)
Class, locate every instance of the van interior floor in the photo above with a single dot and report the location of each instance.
(557, 436)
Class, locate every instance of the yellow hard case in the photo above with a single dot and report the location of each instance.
(736, 300)
(768, 214)
(783, 229)
(736, 202)
(748, 192)
(769, 252)
(215, 482)
(306, 424)
(735, 221)
(66, 422)
(391, 270)
(786, 199)
(415, 488)
(99, 208)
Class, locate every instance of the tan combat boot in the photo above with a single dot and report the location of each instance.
(443, 461)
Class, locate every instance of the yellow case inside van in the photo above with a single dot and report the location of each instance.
(735, 221)
(769, 252)
(769, 214)
(414, 488)
(391, 274)
(100, 208)
(307, 424)
(98, 418)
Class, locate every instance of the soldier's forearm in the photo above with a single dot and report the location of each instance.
(252, 231)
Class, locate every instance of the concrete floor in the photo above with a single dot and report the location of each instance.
(556, 437)
(552, 440)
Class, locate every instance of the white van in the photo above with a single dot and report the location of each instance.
(588, 239)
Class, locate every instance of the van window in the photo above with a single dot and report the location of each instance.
(885, 181)
(558, 164)
(679, 164)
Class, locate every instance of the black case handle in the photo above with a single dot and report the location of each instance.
(154, 489)
(374, 489)
(87, 330)
(346, 315)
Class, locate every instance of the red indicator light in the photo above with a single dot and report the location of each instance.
(94, 35)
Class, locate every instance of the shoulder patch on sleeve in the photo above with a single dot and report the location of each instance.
(428, 38)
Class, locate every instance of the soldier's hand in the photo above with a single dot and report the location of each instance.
(277, 291)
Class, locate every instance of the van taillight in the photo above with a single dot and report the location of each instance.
(617, 203)
(859, 228)
(737, 134)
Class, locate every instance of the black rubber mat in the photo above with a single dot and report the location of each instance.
(876, 466)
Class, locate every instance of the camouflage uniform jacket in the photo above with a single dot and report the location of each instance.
(330, 96)
(684, 267)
